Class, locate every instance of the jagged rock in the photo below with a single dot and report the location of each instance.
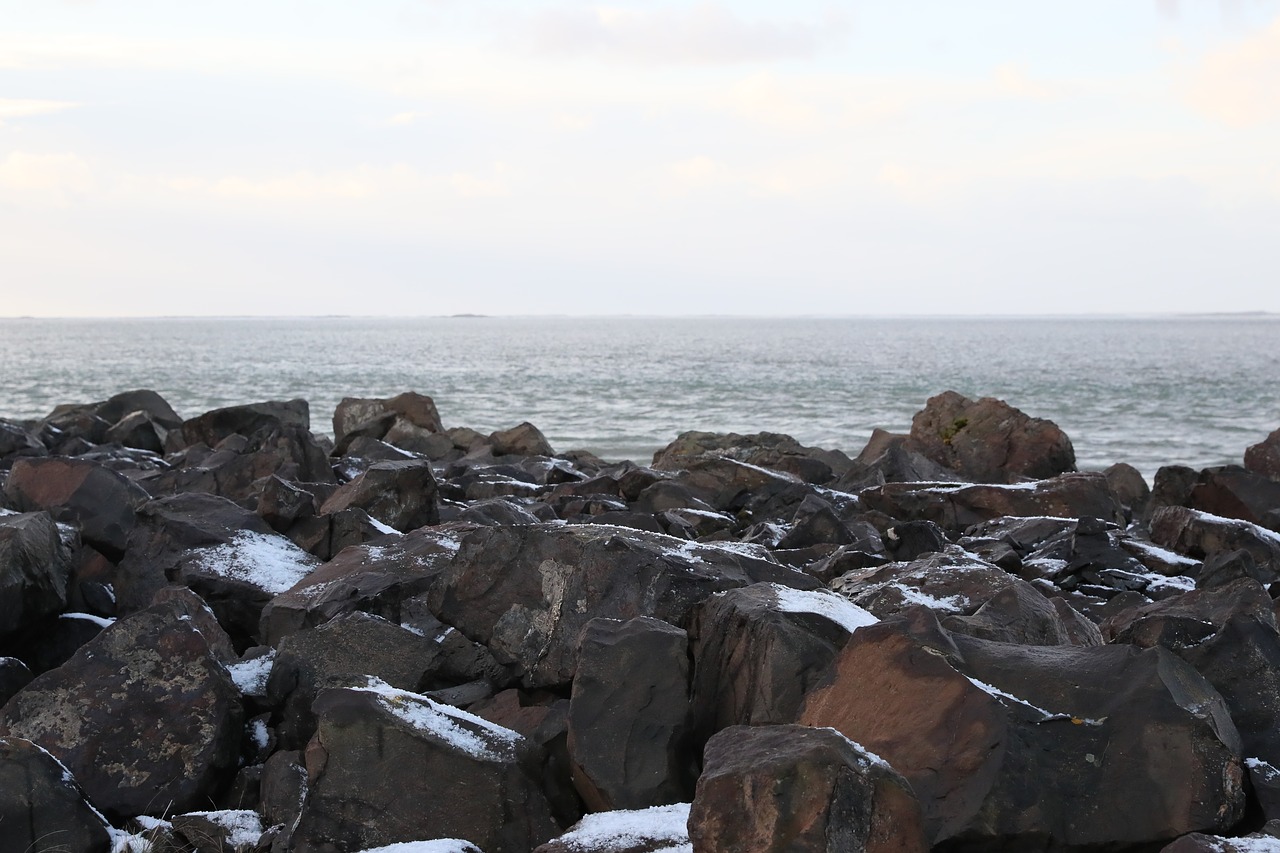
(14, 675)
(101, 502)
(627, 736)
(1032, 748)
(652, 830)
(1234, 492)
(988, 440)
(913, 539)
(1223, 567)
(355, 417)
(953, 581)
(793, 789)
(1129, 487)
(41, 806)
(1020, 614)
(956, 507)
(1191, 617)
(17, 442)
(389, 766)
(401, 495)
(248, 420)
(283, 790)
(1264, 457)
(1171, 487)
(770, 450)
(1198, 534)
(34, 570)
(522, 440)
(527, 592)
(152, 672)
(193, 610)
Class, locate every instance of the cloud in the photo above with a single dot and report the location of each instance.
(1238, 84)
(48, 175)
(708, 33)
(25, 107)
(362, 182)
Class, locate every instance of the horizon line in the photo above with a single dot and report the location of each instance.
(1119, 315)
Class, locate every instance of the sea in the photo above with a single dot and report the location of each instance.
(1149, 391)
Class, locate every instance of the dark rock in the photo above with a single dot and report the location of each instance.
(283, 789)
(1020, 614)
(1233, 492)
(497, 512)
(521, 440)
(988, 440)
(1223, 567)
(374, 418)
(950, 582)
(388, 766)
(193, 610)
(1191, 616)
(652, 830)
(149, 403)
(815, 522)
(1171, 487)
(627, 735)
(1198, 534)
(217, 831)
(1198, 842)
(401, 495)
(888, 459)
(1054, 768)
(15, 441)
(101, 502)
(793, 789)
(1264, 457)
(913, 539)
(770, 450)
(150, 672)
(14, 675)
(956, 507)
(139, 431)
(34, 570)
(249, 420)
(664, 495)
(50, 642)
(281, 503)
(1129, 487)
(41, 807)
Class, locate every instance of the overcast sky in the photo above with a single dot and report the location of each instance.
(502, 157)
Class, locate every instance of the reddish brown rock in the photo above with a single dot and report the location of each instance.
(374, 418)
(101, 502)
(1264, 457)
(522, 440)
(1198, 534)
(1234, 492)
(794, 789)
(988, 440)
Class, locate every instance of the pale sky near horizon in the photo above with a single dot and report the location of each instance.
(500, 157)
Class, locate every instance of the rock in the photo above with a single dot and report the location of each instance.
(1035, 748)
(192, 610)
(887, 459)
(1020, 614)
(151, 672)
(249, 420)
(1129, 487)
(217, 831)
(1234, 492)
(1223, 567)
(34, 570)
(401, 495)
(139, 431)
(50, 642)
(374, 418)
(815, 522)
(166, 529)
(390, 766)
(284, 789)
(1172, 486)
(730, 486)
(149, 403)
(521, 440)
(953, 581)
(758, 650)
(770, 450)
(101, 502)
(988, 440)
(956, 507)
(282, 503)
(627, 736)
(436, 446)
(913, 539)
(41, 806)
(652, 830)
(342, 652)
(1264, 457)
(1198, 842)
(789, 788)
(527, 592)
(17, 442)
(1198, 534)
(14, 675)
(1191, 617)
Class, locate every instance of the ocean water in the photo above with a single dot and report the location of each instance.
(1149, 392)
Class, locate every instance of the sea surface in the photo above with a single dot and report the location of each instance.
(1150, 392)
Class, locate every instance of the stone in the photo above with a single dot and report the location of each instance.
(652, 830)
(152, 672)
(988, 440)
(953, 581)
(16, 442)
(627, 735)
(148, 402)
(388, 766)
(1171, 487)
(1191, 617)
(41, 806)
(281, 503)
(1234, 492)
(35, 567)
(1037, 748)
(1196, 534)
(401, 495)
(1130, 488)
(913, 539)
(14, 675)
(248, 420)
(1021, 614)
(1264, 457)
(138, 430)
(774, 451)
(795, 789)
(522, 440)
(101, 502)
(373, 417)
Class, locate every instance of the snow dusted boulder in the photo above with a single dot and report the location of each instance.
(1234, 492)
(953, 581)
(988, 440)
(389, 766)
(1196, 842)
(527, 592)
(759, 649)
(1196, 534)
(151, 673)
(401, 495)
(218, 831)
(652, 830)
(1019, 613)
(346, 650)
(957, 506)
(627, 735)
(101, 502)
(795, 789)
(166, 529)
(436, 845)
(35, 567)
(41, 806)
(1189, 618)
(239, 577)
(1037, 748)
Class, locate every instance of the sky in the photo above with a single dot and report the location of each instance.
(427, 157)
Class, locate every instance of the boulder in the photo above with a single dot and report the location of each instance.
(774, 451)
(41, 806)
(217, 831)
(1037, 748)
(527, 592)
(35, 567)
(1198, 534)
(627, 736)
(887, 458)
(1191, 617)
(1198, 842)
(151, 672)
(1130, 488)
(988, 440)
(1020, 614)
(356, 417)
(953, 581)
(652, 830)
(1264, 457)
(1234, 492)
(101, 502)
(14, 675)
(16, 441)
(401, 495)
(522, 440)
(794, 789)
(145, 401)
(389, 766)
(248, 420)
(956, 506)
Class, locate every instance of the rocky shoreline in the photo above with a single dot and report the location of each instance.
(230, 633)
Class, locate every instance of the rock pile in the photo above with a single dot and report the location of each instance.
(229, 633)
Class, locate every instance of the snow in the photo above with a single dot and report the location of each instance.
(1264, 769)
(439, 845)
(89, 617)
(1260, 532)
(271, 563)
(862, 751)
(834, 607)
(620, 830)
(382, 528)
(1047, 715)
(491, 743)
(946, 603)
(1252, 844)
(1158, 553)
(258, 731)
(251, 675)
(125, 842)
(243, 826)
(1178, 582)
